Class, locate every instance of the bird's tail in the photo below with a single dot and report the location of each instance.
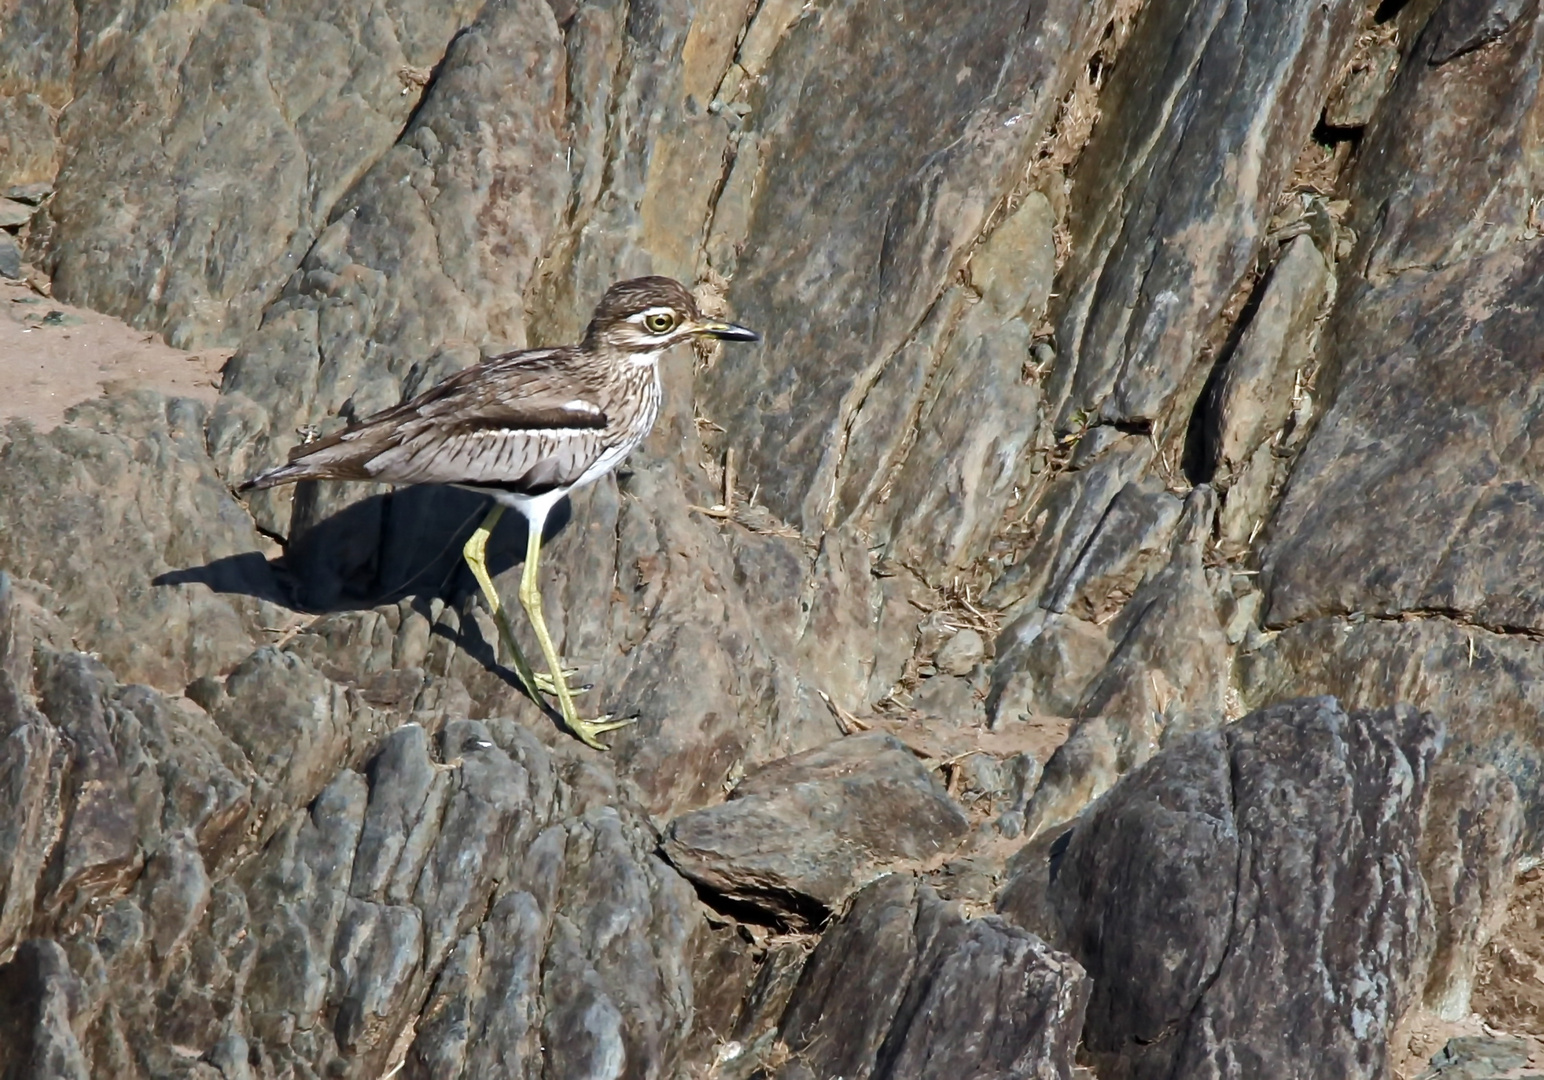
(340, 456)
(282, 474)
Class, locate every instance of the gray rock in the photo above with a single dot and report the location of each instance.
(1431, 438)
(1449, 547)
(1014, 268)
(1154, 206)
(768, 997)
(1195, 893)
(1255, 389)
(110, 775)
(971, 438)
(29, 143)
(1472, 66)
(1355, 101)
(1025, 898)
(308, 97)
(99, 849)
(842, 593)
(10, 257)
(961, 652)
(902, 986)
(293, 723)
(849, 241)
(950, 698)
(148, 503)
(31, 194)
(1166, 677)
(1131, 541)
(1047, 667)
(39, 996)
(326, 923)
(31, 763)
(1474, 1057)
(14, 214)
(1453, 534)
(1073, 508)
(39, 52)
(1486, 690)
(965, 391)
(800, 835)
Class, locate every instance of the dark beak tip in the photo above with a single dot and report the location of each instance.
(732, 332)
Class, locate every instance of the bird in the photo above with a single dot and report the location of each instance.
(526, 427)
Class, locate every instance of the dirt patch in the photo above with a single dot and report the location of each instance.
(1422, 1036)
(1509, 986)
(53, 356)
(1508, 999)
(940, 746)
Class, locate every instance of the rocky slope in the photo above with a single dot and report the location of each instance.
(1140, 453)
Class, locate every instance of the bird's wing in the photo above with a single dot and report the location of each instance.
(516, 418)
(531, 390)
(516, 459)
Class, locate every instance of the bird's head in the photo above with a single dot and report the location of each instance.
(644, 316)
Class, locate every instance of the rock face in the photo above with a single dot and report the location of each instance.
(1129, 367)
(467, 879)
(129, 482)
(1252, 898)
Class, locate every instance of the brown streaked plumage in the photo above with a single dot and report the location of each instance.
(526, 427)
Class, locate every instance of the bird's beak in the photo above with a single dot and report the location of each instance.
(727, 331)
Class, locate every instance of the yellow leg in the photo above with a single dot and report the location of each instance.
(473, 552)
(530, 599)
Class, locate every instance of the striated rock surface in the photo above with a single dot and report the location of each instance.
(300, 928)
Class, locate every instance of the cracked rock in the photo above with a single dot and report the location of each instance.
(800, 835)
(903, 987)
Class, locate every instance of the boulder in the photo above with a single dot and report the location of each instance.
(800, 835)
(902, 986)
(1254, 895)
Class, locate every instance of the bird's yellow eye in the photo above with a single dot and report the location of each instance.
(661, 322)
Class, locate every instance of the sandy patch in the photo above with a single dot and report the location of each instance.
(53, 356)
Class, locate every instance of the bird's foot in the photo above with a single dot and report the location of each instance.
(548, 685)
(587, 730)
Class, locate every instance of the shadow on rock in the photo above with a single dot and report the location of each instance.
(380, 550)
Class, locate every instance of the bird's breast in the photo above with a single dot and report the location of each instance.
(632, 414)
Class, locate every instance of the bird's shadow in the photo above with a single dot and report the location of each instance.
(403, 545)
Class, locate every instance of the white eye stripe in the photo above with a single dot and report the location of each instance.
(650, 312)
